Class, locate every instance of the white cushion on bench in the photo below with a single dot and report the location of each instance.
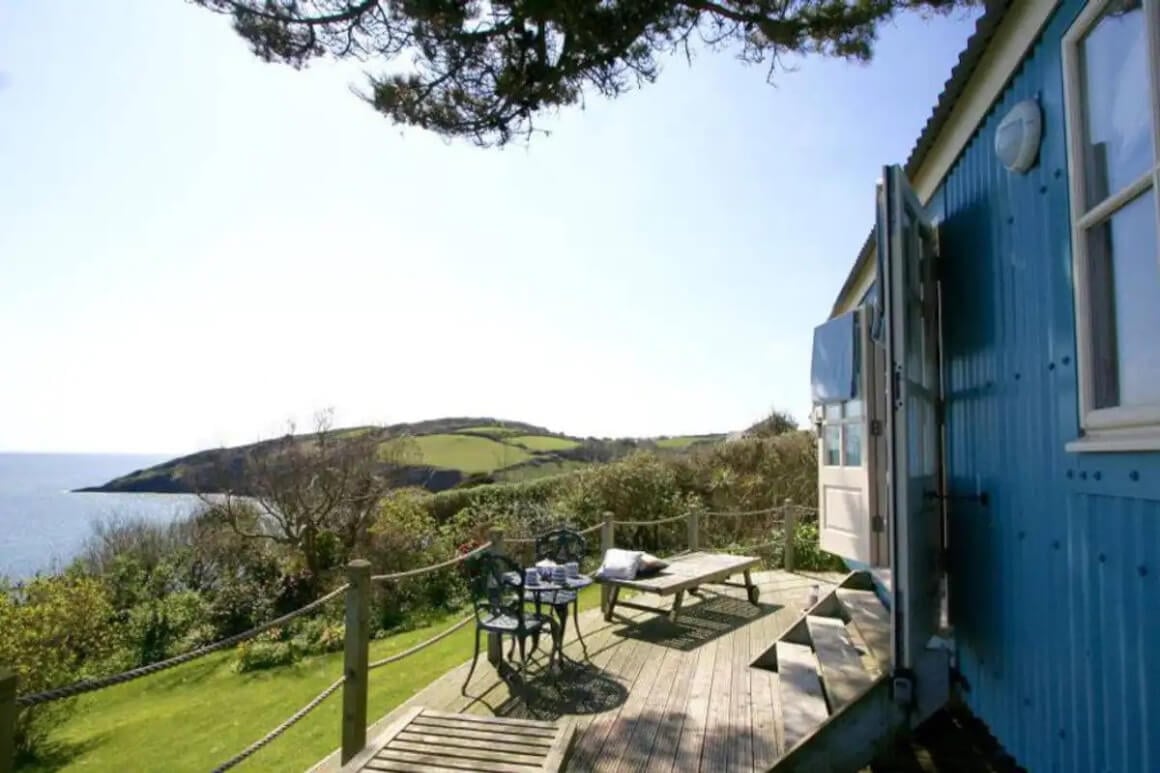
(620, 564)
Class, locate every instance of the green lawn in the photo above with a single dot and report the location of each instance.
(468, 453)
(194, 717)
(544, 442)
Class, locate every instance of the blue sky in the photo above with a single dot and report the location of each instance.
(196, 246)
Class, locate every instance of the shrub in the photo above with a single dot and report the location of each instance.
(53, 630)
(257, 655)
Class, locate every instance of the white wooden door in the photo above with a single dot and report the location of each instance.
(845, 498)
(906, 252)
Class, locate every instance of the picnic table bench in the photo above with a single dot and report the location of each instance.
(685, 573)
(427, 741)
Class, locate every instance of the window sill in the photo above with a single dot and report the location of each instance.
(1115, 442)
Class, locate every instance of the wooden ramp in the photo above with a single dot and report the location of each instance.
(653, 695)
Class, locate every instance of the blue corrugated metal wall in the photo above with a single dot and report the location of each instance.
(1055, 587)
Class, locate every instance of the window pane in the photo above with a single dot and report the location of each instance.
(1116, 103)
(854, 445)
(854, 409)
(831, 445)
(834, 412)
(1125, 298)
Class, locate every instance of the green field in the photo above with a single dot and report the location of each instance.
(494, 430)
(682, 441)
(469, 453)
(544, 442)
(534, 471)
(194, 717)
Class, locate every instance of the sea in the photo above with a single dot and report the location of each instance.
(43, 525)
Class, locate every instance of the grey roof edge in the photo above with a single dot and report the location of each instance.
(972, 53)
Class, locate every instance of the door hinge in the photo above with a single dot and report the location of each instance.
(875, 427)
(878, 524)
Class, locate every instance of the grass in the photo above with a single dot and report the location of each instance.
(544, 442)
(468, 453)
(194, 717)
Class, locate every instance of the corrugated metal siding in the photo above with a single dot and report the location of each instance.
(1055, 589)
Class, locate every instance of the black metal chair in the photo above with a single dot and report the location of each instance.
(497, 593)
(563, 545)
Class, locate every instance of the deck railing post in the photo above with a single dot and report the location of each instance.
(7, 720)
(790, 524)
(694, 525)
(606, 542)
(356, 658)
(494, 640)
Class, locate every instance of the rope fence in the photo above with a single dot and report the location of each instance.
(655, 522)
(89, 685)
(294, 719)
(421, 645)
(433, 568)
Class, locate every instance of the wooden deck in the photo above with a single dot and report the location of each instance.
(653, 695)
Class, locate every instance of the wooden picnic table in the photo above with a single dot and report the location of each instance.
(685, 573)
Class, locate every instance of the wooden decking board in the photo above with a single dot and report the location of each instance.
(689, 748)
(668, 736)
(718, 731)
(683, 692)
(620, 741)
(596, 733)
(872, 620)
(839, 662)
(641, 736)
(803, 707)
(762, 687)
(740, 748)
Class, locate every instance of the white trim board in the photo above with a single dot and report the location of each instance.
(1016, 34)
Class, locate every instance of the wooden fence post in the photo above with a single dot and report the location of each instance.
(694, 525)
(790, 522)
(7, 720)
(606, 542)
(356, 658)
(494, 640)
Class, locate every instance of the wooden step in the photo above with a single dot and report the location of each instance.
(803, 706)
(844, 677)
(872, 619)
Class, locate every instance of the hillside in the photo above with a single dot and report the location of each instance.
(446, 453)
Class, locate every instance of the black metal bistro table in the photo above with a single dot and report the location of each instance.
(554, 586)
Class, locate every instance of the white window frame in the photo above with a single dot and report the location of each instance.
(842, 423)
(1119, 428)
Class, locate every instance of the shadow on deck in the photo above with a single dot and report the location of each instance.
(652, 695)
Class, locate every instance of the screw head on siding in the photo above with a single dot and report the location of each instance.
(1051, 366)
(1018, 376)
(1134, 475)
(1083, 476)
(1070, 474)
(1066, 360)
(1142, 570)
(1055, 544)
(1097, 475)
(1102, 558)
